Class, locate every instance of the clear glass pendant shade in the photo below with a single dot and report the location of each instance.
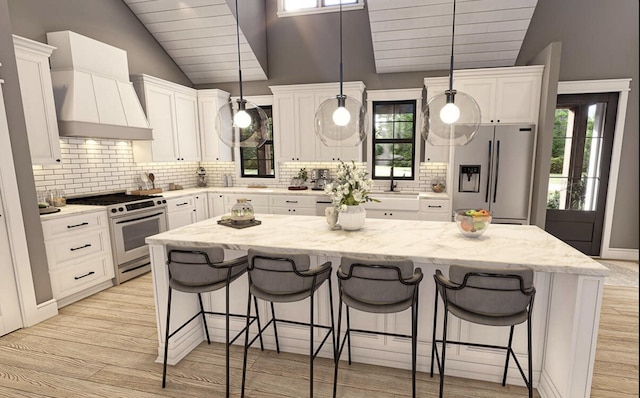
(241, 123)
(341, 121)
(450, 119)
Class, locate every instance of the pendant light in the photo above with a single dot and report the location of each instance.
(241, 123)
(341, 120)
(451, 117)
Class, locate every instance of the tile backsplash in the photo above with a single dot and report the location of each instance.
(94, 166)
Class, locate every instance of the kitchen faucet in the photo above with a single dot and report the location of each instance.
(392, 185)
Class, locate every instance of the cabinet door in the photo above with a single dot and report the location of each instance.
(202, 211)
(162, 119)
(434, 153)
(216, 204)
(518, 99)
(483, 90)
(36, 90)
(180, 218)
(187, 134)
(211, 147)
(305, 112)
(287, 145)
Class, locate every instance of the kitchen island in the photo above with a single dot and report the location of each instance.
(565, 317)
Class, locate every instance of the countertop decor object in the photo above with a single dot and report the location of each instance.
(241, 123)
(437, 186)
(341, 120)
(353, 218)
(236, 225)
(351, 186)
(451, 117)
(473, 223)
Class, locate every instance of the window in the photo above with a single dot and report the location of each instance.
(300, 7)
(394, 131)
(258, 162)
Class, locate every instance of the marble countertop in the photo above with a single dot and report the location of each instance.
(438, 243)
(69, 210)
(282, 191)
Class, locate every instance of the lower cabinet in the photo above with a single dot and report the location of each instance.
(201, 206)
(79, 255)
(396, 214)
(215, 204)
(259, 202)
(302, 205)
(181, 211)
(435, 210)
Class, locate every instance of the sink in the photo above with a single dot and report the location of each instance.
(397, 200)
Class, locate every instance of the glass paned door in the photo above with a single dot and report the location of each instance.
(580, 157)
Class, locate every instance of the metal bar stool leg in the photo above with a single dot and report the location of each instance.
(506, 362)
(275, 328)
(166, 340)
(333, 325)
(246, 344)
(444, 350)
(204, 319)
(337, 348)
(311, 346)
(348, 335)
(414, 344)
(435, 325)
(530, 360)
(255, 303)
(226, 345)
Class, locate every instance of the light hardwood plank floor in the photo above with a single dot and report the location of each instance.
(106, 345)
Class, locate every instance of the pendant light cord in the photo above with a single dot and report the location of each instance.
(238, 39)
(453, 34)
(341, 95)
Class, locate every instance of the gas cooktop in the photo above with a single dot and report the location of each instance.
(109, 199)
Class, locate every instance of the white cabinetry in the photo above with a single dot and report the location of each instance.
(181, 211)
(435, 209)
(294, 109)
(303, 205)
(216, 204)
(260, 203)
(36, 89)
(212, 148)
(79, 254)
(172, 111)
(394, 214)
(505, 95)
(201, 206)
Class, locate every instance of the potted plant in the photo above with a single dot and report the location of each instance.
(300, 178)
(348, 191)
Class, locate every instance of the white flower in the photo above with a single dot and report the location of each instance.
(351, 187)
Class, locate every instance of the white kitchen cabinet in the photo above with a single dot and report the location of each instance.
(505, 95)
(435, 209)
(36, 89)
(303, 205)
(392, 214)
(181, 211)
(172, 111)
(216, 204)
(259, 202)
(211, 147)
(294, 109)
(201, 206)
(435, 153)
(79, 254)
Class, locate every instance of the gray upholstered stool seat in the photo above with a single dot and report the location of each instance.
(379, 287)
(277, 277)
(200, 270)
(486, 296)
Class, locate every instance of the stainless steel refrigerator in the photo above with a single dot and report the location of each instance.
(494, 172)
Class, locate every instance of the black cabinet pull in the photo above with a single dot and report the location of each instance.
(291, 201)
(182, 204)
(81, 247)
(83, 276)
(77, 225)
(437, 207)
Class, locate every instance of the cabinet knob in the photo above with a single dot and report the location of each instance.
(58, 160)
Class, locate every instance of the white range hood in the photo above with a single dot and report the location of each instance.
(93, 95)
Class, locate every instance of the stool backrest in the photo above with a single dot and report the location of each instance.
(491, 292)
(278, 273)
(378, 282)
(194, 266)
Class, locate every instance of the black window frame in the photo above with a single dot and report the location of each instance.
(411, 140)
(261, 150)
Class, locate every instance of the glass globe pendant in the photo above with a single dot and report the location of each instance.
(341, 120)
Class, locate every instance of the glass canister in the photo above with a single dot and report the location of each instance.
(242, 211)
(57, 198)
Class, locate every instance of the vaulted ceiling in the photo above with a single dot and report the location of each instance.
(407, 35)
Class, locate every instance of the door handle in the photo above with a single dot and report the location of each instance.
(80, 247)
(486, 195)
(495, 181)
(78, 225)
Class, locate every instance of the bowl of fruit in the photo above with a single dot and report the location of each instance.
(473, 223)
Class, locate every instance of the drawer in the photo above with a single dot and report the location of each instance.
(78, 246)
(291, 201)
(293, 211)
(182, 203)
(435, 206)
(72, 224)
(255, 200)
(81, 276)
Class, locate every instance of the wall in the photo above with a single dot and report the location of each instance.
(599, 41)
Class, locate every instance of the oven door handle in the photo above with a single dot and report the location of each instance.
(139, 218)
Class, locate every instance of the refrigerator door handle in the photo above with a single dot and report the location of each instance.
(495, 181)
(486, 195)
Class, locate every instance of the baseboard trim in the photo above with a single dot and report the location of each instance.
(619, 254)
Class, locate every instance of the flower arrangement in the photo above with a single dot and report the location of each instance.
(350, 188)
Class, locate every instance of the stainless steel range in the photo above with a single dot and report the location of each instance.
(132, 218)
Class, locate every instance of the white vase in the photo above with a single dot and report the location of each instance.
(353, 218)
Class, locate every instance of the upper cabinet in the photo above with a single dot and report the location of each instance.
(212, 148)
(294, 109)
(172, 110)
(34, 75)
(505, 95)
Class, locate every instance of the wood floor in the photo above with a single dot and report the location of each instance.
(105, 346)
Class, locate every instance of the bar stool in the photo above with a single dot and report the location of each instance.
(492, 297)
(278, 277)
(378, 287)
(201, 270)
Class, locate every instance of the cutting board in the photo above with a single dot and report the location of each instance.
(146, 191)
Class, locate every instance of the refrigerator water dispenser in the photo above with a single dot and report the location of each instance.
(469, 178)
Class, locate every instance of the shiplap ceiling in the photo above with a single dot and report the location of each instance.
(200, 36)
(407, 35)
(415, 35)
